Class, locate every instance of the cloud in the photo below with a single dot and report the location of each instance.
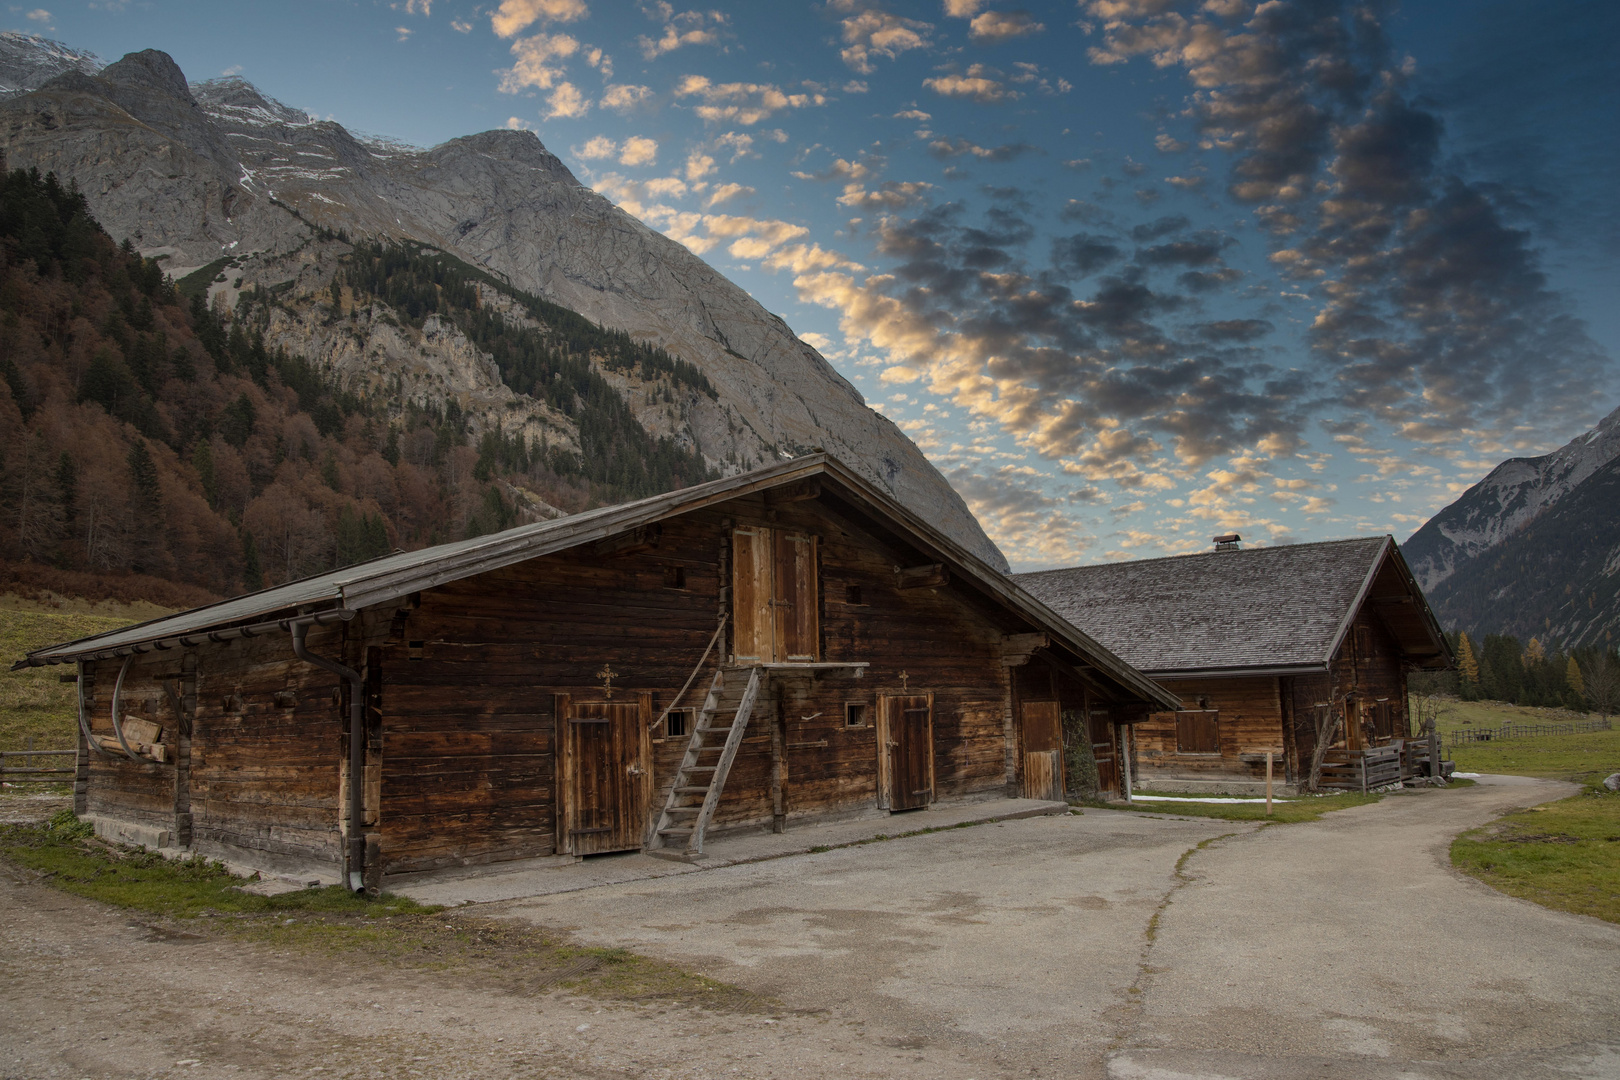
(461, 26)
(869, 34)
(416, 7)
(42, 17)
(514, 16)
(597, 148)
(1164, 226)
(566, 102)
(742, 103)
(536, 64)
(946, 148)
(234, 69)
(913, 114)
(517, 123)
(638, 150)
(1427, 299)
(978, 84)
(1168, 144)
(698, 165)
(624, 99)
(404, 32)
(1084, 253)
(727, 192)
(1034, 528)
(995, 27)
(962, 9)
(680, 30)
(891, 195)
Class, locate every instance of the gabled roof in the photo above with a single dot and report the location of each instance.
(1262, 610)
(393, 577)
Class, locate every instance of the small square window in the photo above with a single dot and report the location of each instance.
(674, 577)
(416, 648)
(852, 594)
(678, 724)
(855, 714)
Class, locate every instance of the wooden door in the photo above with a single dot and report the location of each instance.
(604, 776)
(796, 601)
(1042, 727)
(776, 603)
(752, 590)
(1104, 749)
(906, 745)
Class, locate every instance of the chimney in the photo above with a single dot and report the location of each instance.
(1227, 542)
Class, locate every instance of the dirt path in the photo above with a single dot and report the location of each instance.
(1344, 948)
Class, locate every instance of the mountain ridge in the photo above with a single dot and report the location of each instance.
(218, 169)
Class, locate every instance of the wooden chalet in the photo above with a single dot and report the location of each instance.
(772, 647)
(1267, 649)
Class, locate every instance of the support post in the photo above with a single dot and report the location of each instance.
(1125, 759)
(1268, 783)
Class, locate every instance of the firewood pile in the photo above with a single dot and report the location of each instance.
(145, 739)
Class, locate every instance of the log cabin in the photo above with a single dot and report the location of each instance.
(1280, 650)
(779, 646)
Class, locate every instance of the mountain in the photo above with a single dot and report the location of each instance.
(1533, 549)
(239, 194)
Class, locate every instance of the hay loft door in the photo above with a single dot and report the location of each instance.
(1043, 749)
(906, 749)
(604, 780)
(776, 603)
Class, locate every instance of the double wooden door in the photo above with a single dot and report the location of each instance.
(906, 751)
(776, 603)
(605, 781)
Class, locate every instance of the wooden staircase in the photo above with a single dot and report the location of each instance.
(701, 777)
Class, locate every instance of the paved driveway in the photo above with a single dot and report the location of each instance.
(1113, 944)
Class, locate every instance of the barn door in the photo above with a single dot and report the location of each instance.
(1042, 724)
(605, 784)
(775, 602)
(798, 629)
(1104, 749)
(906, 743)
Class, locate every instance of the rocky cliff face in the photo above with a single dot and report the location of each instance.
(1515, 494)
(201, 173)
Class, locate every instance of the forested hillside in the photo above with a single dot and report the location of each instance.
(150, 433)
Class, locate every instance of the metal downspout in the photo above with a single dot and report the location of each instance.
(357, 753)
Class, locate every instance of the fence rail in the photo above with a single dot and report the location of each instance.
(1524, 731)
(29, 773)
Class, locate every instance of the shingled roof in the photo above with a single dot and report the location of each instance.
(1273, 609)
(384, 580)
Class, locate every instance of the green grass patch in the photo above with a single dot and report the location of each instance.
(1295, 810)
(1560, 757)
(1563, 855)
(198, 281)
(34, 702)
(198, 898)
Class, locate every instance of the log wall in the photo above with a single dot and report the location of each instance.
(256, 778)
(468, 681)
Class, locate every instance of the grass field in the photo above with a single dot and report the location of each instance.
(1563, 854)
(34, 702)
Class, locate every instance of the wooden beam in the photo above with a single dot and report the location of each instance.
(632, 542)
(927, 576)
(802, 491)
(1017, 648)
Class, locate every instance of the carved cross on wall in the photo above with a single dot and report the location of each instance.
(607, 675)
(903, 678)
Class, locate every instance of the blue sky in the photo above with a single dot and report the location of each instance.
(1131, 272)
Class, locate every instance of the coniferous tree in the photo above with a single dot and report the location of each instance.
(1468, 666)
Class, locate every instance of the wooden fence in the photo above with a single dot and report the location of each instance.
(1524, 731)
(32, 767)
(1378, 766)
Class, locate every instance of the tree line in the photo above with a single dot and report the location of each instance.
(1499, 667)
(145, 433)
